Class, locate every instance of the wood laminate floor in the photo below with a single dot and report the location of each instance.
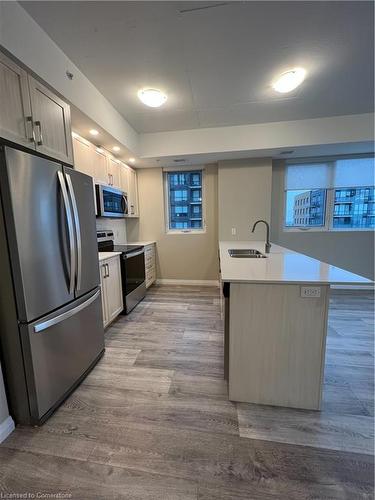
(152, 420)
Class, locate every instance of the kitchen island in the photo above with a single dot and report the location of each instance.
(276, 313)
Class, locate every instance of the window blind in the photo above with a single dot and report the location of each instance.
(351, 172)
(307, 176)
(357, 172)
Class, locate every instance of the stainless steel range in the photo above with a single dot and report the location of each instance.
(133, 274)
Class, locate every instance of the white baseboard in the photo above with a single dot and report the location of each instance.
(187, 282)
(6, 428)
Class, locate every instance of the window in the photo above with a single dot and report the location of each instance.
(184, 200)
(354, 208)
(330, 195)
(309, 204)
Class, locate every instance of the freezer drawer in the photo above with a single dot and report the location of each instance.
(59, 349)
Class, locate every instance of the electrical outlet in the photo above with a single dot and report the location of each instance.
(234, 231)
(311, 292)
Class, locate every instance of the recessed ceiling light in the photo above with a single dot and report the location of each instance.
(132, 160)
(289, 80)
(152, 97)
(116, 148)
(94, 132)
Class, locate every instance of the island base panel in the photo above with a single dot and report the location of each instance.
(277, 344)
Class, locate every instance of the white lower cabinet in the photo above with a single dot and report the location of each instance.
(150, 264)
(110, 280)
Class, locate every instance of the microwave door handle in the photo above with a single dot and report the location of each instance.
(78, 231)
(69, 219)
(124, 204)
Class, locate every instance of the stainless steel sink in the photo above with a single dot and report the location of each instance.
(246, 253)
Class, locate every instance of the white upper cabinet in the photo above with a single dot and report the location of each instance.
(124, 177)
(51, 120)
(113, 168)
(130, 186)
(133, 193)
(105, 169)
(100, 167)
(15, 109)
(83, 156)
(32, 115)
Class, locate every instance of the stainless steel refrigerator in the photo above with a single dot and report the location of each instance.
(51, 328)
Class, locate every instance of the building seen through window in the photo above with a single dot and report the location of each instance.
(354, 208)
(305, 208)
(185, 200)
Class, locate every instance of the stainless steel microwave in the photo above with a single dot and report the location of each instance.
(111, 202)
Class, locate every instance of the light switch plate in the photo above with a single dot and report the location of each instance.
(311, 292)
(234, 231)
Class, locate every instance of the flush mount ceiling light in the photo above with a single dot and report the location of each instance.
(94, 132)
(152, 97)
(132, 160)
(116, 148)
(289, 80)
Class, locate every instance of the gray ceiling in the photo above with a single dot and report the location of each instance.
(216, 64)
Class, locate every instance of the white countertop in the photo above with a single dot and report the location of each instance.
(281, 266)
(107, 255)
(143, 243)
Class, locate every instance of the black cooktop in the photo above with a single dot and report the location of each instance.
(108, 246)
(126, 248)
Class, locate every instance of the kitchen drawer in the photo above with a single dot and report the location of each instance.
(150, 262)
(150, 272)
(150, 250)
(149, 257)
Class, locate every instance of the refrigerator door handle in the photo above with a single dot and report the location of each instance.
(78, 231)
(69, 218)
(62, 317)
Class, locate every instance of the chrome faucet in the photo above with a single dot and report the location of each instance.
(268, 244)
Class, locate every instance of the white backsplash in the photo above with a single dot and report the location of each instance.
(118, 226)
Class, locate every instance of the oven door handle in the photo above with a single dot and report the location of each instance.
(134, 254)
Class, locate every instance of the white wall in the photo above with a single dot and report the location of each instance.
(118, 226)
(261, 136)
(351, 250)
(244, 197)
(190, 256)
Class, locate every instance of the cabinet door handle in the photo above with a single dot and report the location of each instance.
(39, 125)
(29, 121)
(107, 270)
